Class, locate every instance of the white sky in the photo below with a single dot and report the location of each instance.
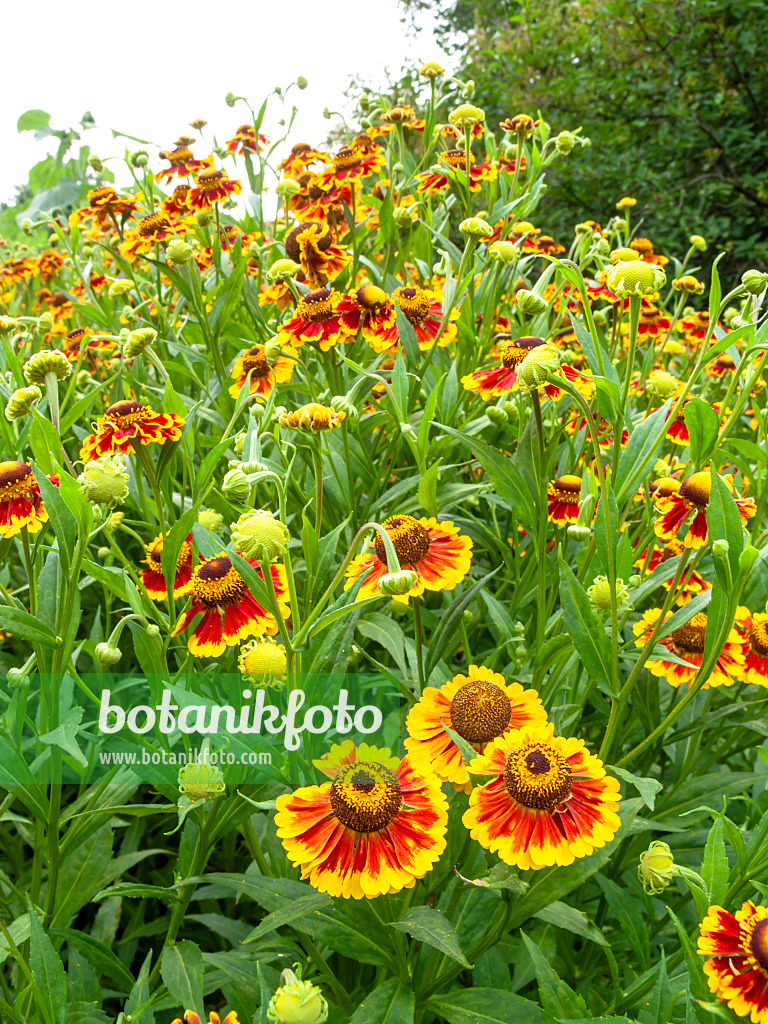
(148, 69)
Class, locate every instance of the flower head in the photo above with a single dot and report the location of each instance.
(737, 968)
(262, 661)
(21, 402)
(686, 643)
(39, 366)
(20, 502)
(105, 481)
(690, 502)
(312, 418)
(657, 868)
(201, 781)
(260, 535)
(127, 423)
(152, 577)
(635, 277)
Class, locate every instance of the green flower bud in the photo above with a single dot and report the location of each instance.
(209, 519)
(179, 251)
(17, 678)
(107, 654)
(431, 69)
(27, 226)
(340, 403)
(236, 486)
(565, 142)
(399, 583)
(21, 401)
(122, 286)
(263, 662)
(475, 227)
(230, 99)
(635, 277)
(698, 242)
(282, 270)
(45, 323)
(95, 164)
(542, 364)
(259, 535)
(657, 868)
(465, 115)
(404, 217)
(200, 781)
(496, 415)
(287, 187)
(138, 341)
(530, 303)
(105, 481)
(720, 548)
(38, 366)
(297, 1002)
(600, 594)
(104, 553)
(634, 582)
(140, 158)
(754, 281)
(661, 384)
(301, 82)
(503, 252)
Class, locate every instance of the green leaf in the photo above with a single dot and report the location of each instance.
(556, 996)
(703, 427)
(137, 891)
(173, 543)
(407, 336)
(50, 989)
(603, 542)
(627, 910)
(585, 628)
(724, 523)
(390, 1003)
(100, 956)
(502, 472)
(714, 866)
(632, 463)
(696, 978)
(446, 629)
(253, 580)
(485, 1006)
(265, 995)
(657, 1009)
(466, 749)
(286, 915)
(25, 626)
(65, 735)
(426, 924)
(19, 931)
(647, 788)
(182, 972)
(560, 915)
(427, 489)
(30, 120)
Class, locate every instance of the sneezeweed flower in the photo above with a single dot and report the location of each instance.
(687, 644)
(423, 309)
(753, 630)
(181, 163)
(549, 800)
(39, 367)
(201, 781)
(657, 868)
(152, 577)
(263, 376)
(435, 180)
(737, 971)
(691, 582)
(600, 594)
(22, 401)
(229, 611)
(479, 706)
(502, 380)
(690, 502)
(262, 662)
(244, 140)
(312, 418)
(210, 520)
(662, 385)
(688, 283)
(435, 551)
(21, 504)
(105, 481)
(260, 535)
(431, 69)
(129, 423)
(635, 278)
(297, 1001)
(401, 114)
(375, 828)
(190, 1017)
(154, 228)
(318, 320)
(370, 311)
(520, 124)
(563, 499)
(212, 186)
(310, 244)
(626, 203)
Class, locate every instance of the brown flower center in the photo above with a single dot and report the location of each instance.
(15, 479)
(758, 944)
(307, 232)
(409, 539)
(180, 155)
(210, 178)
(153, 224)
(414, 303)
(346, 158)
(514, 352)
(758, 639)
(316, 306)
(365, 796)
(457, 159)
(689, 639)
(480, 711)
(123, 414)
(672, 549)
(216, 583)
(538, 776)
(695, 489)
(256, 360)
(104, 195)
(371, 299)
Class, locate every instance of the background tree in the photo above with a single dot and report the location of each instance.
(673, 94)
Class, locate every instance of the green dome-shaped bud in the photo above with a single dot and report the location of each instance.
(399, 583)
(465, 115)
(200, 781)
(635, 277)
(287, 187)
(582, 534)
(209, 520)
(38, 366)
(179, 251)
(21, 402)
(475, 227)
(530, 303)
(754, 281)
(123, 285)
(301, 82)
(496, 415)
(565, 142)
(657, 868)
(8, 324)
(503, 252)
(297, 1002)
(340, 403)
(105, 481)
(138, 341)
(281, 270)
(236, 486)
(661, 384)
(542, 364)
(698, 242)
(600, 594)
(259, 535)
(45, 323)
(108, 654)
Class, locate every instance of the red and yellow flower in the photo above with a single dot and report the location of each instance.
(753, 629)
(424, 311)
(301, 156)
(190, 1017)
(152, 577)
(351, 163)
(318, 319)
(21, 504)
(263, 376)
(375, 828)
(310, 243)
(548, 802)
(370, 311)
(156, 227)
(455, 159)
(181, 164)
(690, 502)
(644, 249)
(496, 381)
(229, 611)
(127, 423)
(177, 203)
(245, 141)
(563, 499)
(436, 551)
(687, 643)
(479, 707)
(691, 582)
(737, 969)
(212, 186)
(104, 202)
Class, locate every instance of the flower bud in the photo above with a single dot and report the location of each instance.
(397, 583)
(263, 661)
(104, 554)
(503, 252)
(139, 158)
(153, 631)
(21, 402)
(209, 520)
(754, 281)
(403, 217)
(622, 256)
(178, 251)
(107, 654)
(282, 270)
(201, 781)
(720, 548)
(138, 341)
(600, 594)
(496, 415)
(634, 582)
(230, 99)
(542, 364)
(313, 418)
(635, 278)
(105, 481)
(236, 486)
(27, 226)
(38, 366)
(297, 1002)
(565, 142)
(431, 69)
(340, 403)
(657, 868)
(475, 227)
(203, 217)
(45, 323)
(17, 678)
(698, 242)
(122, 286)
(530, 303)
(259, 535)
(688, 283)
(626, 203)
(301, 82)
(95, 164)
(521, 124)
(661, 384)
(8, 324)
(465, 115)
(468, 89)
(287, 187)
(114, 522)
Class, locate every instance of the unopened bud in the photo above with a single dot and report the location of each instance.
(260, 535)
(465, 115)
(105, 481)
(27, 226)
(138, 341)
(122, 286)
(496, 415)
(21, 401)
(600, 594)
(720, 548)
(503, 252)
(397, 583)
(178, 251)
(565, 142)
(698, 242)
(45, 323)
(661, 384)
(95, 164)
(542, 364)
(287, 187)
(530, 303)
(38, 366)
(201, 781)
(657, 868)
(107, 654)
(209, 520)
(688, 283)
(476, 228)
(340, 403)
(754, 281)
(282, 270)
(301, 82)
(635, 278)
(236, 486)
